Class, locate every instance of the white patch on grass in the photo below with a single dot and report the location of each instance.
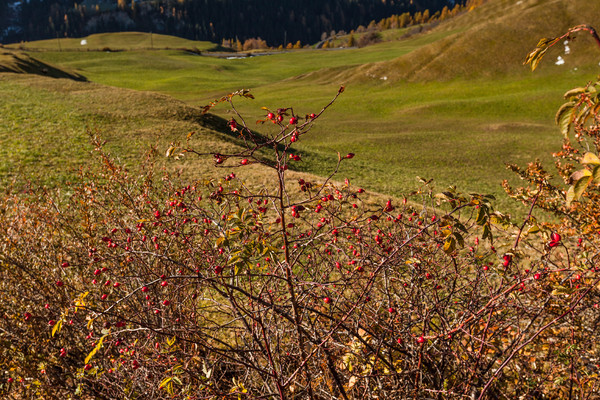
(83, 42)
(559, 61)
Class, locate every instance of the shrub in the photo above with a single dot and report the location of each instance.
(133, 286)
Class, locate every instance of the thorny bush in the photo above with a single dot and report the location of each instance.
(138, 287)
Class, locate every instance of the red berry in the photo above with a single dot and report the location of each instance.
(164, 283)
(313, 116)
(65, 264)
(420, 339)
(391, 310)
(271, 115)
(350, 155)
(59, 283)
(27, 315)
(145, 289)
(536, 276)
(279, 118)
(555, 237)
(87, 367)
(327, 300)
(157, 214)
(244, 161)
(293, 121)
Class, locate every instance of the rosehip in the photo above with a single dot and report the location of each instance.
(327, 300)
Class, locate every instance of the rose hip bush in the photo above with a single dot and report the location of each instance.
(144, 286)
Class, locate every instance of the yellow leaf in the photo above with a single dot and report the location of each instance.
(590, 158)
(164, 382)
(57, 327)
(95, 350)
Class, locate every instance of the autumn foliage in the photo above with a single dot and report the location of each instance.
(143, 286)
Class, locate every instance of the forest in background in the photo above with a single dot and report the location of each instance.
(277, 23)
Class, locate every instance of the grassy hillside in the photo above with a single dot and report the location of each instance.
(46, 123)
(492, 40)
(21, 63)
(457, 117)
(115, 42)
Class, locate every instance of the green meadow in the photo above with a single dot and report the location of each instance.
(460, 131)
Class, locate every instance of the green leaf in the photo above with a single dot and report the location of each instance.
(481, 216)
(596, 173)
(459, 239)
(564, 117)
(570, 195)
(487, 232)
(581, 185)
(575, 92)
(590, 158)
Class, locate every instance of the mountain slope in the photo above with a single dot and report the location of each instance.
(493, 39)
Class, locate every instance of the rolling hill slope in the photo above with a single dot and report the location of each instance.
(492, 40)
(454, 104)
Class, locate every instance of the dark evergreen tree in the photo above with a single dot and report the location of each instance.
(278, 22)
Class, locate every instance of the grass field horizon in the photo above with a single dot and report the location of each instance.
(459, 131)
